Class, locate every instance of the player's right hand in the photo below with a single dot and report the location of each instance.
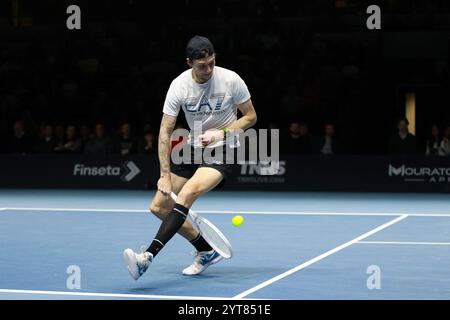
(165, 185)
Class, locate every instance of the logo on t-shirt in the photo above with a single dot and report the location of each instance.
(195, 104)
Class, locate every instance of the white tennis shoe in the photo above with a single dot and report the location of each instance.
(137, 263)
(202, 261)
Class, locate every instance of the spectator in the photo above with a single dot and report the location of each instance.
(59, 134)
(72, 143)
(85, 136)
(47, 142)
(100, 143)
(299, 140)
(125, 144)
(327, 145)
(146, 145)
(444, 149)
(403, 142)
(434, 142)
(20, 142)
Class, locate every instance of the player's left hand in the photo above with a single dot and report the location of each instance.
(211, 136)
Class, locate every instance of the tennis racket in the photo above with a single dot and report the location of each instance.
(210, 232)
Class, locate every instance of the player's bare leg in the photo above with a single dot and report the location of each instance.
(204, 180)
(162, 205)
(137, 263)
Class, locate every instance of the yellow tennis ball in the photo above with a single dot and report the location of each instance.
(237, 220)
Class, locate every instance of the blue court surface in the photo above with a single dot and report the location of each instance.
(291, 246)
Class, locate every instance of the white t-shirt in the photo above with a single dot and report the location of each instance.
(212, 104)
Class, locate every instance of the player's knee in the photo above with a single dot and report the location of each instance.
(189, 194)
(158, 210)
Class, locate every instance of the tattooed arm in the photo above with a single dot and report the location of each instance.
(164, 150)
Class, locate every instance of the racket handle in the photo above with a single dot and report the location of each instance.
(173, 196)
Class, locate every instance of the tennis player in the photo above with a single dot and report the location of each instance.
(210, 96)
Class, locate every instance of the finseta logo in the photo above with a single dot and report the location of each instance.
(127, 173)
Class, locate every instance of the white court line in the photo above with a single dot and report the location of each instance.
(88, 210)
(109, 295)
(320, 257)
(406, 243)
(294, 213)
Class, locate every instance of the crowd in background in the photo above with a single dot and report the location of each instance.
(297, 139)
(327, 84)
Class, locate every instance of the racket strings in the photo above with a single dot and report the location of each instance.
(216, 240)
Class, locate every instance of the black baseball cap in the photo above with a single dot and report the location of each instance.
(199, 47)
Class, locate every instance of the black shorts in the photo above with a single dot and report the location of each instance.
(187, 170)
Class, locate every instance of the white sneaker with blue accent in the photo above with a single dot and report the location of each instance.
(202, 261)
(137, 263)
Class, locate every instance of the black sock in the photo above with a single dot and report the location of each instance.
(200, 244)
(169, 227)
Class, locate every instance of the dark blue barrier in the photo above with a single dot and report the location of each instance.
(347, 173)
(78, 171)
(292, 173)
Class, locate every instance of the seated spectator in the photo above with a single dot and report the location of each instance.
(125, 144)
(85, 135)
(444, 149)
(299, 140)
(47, 142)
(59, 134)
(403, 142)
(20, 142)
(434, 142)
(100, 143)
(72, 143)
(327, 144)
(146, 145)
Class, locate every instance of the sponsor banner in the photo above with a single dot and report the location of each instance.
(69, 171)
(290, 173)
(127, 172)
(420, 174)
(345, 173)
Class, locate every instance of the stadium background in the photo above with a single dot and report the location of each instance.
(307, 65)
